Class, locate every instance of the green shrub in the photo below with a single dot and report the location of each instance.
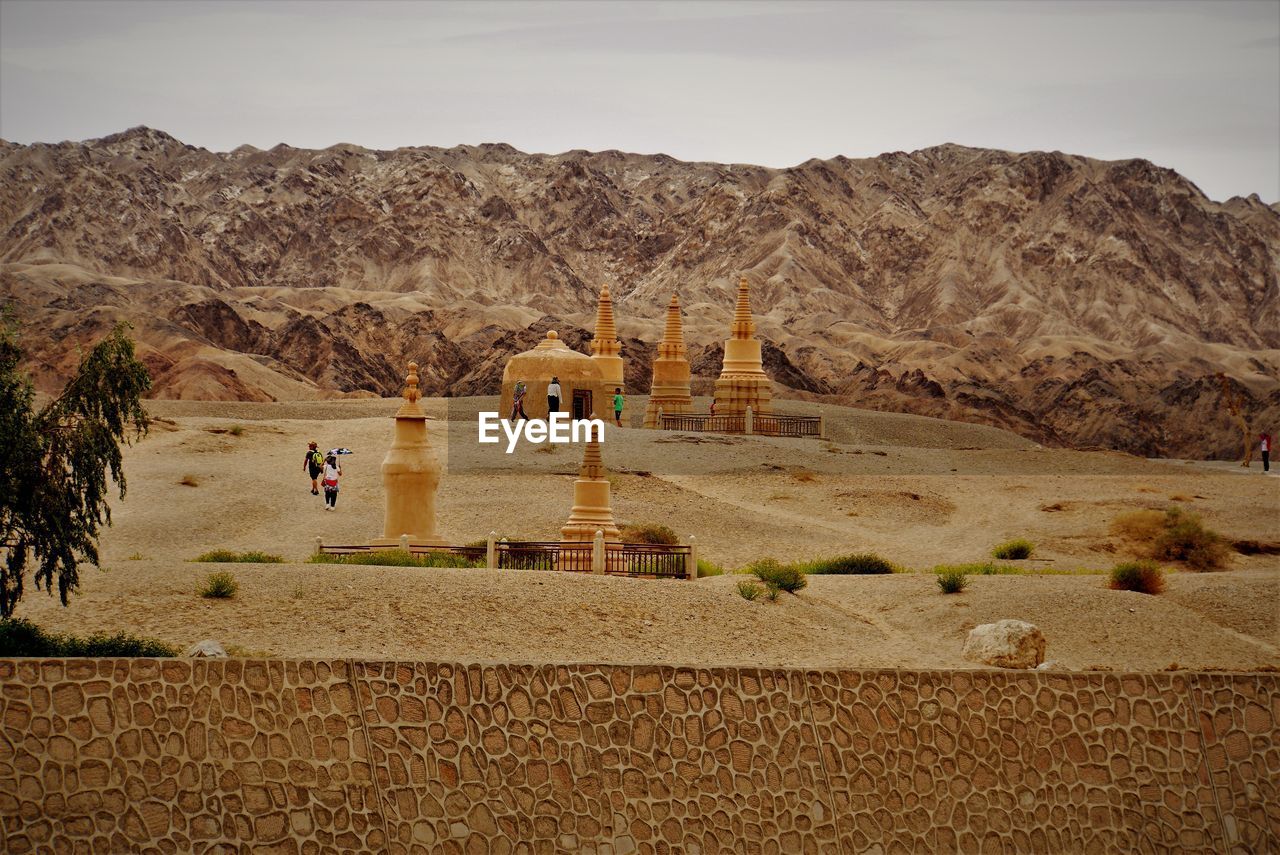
(399, 558)
(860, 564)
(1145, 577)
(226, 556)
(771, 591)
(649, 533)
(952, 581)
(20, 637)
(1185, 538)
(219, 586)
(981, 568)
(236, 430)
(749, 590)
(787, 577)
(709, 568)
(1013, 550)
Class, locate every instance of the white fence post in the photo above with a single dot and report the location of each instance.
(597, 553)
(748, 421)
(491, 551)
(691, 560)
(404, 543)
(659, 424)
(319, 547)
(822, 425)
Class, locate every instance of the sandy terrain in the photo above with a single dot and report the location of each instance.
(916, 490)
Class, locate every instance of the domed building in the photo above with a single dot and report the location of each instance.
(582, 389)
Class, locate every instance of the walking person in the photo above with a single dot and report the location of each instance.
(313, 465)
(618, 401)
(517, 401)
(553, 397)
(1264, 444)
(332, 472)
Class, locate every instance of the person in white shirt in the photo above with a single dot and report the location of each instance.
(1264, 445)
(553, 396)
(329, 480)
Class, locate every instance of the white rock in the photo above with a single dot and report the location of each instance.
(1005, 644)
(207, 649)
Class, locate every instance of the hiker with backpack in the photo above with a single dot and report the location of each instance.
(313, 464)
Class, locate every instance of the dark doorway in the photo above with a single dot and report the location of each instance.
(581, 404)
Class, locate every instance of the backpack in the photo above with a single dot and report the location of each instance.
(317, 460)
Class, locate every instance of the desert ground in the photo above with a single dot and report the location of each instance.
(916, 490)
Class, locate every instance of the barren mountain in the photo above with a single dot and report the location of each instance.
(1072, 300)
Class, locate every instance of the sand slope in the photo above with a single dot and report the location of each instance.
(918, 491)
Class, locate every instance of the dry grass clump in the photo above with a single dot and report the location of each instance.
(399, 558)
(1145, 577)
(1174, 535)
(649, 533)
(226, 556)
(952, 580)
(1013, 550)
(190, 481)
(804, 476)
(709, 568)
(749, 590)
(219, 586)
(784, 577)
(858, 564)
(1141, 526)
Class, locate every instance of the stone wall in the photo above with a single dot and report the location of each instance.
(302, 756)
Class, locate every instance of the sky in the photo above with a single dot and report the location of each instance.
(1194, 86)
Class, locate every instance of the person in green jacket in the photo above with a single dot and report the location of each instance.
(618, 401)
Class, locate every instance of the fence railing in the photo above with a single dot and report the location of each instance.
(648, 560)
(765, 424)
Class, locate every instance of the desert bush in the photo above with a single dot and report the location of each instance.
(1185, 538)
(1013, 550)
(236, 430)
(137, 556)
(399, 558)
(190, 481)
(1142, 526)
(1145, 577)
(979, 568)
(771, 592)
(226, 556)
(709, 568)
(859, 564)
(787, 577)
(219, 586)
(20, 637)
(649, 533)
(749, 590)
(952, 581)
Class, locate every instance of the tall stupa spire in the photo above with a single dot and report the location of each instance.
(605, 348)
(669, 391)
(742, 381)
(744, 327)
(592, 511)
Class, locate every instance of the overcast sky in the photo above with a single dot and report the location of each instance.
(1190, 85)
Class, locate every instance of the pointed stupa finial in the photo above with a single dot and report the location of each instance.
(672, 344)
(743, 325)
(592, 461)
(606, 330)
(411, 408)
(411, 393)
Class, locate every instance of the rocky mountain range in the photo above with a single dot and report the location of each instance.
(1076, 301)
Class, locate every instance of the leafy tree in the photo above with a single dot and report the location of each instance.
(54, 462)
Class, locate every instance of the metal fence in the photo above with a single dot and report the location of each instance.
(647, 560)
(772, 424)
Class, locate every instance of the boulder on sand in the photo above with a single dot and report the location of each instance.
(1005, 644)
(207, 649)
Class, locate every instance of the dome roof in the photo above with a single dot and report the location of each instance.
(551, 356)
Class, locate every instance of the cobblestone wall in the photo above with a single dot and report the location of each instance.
(301, 756)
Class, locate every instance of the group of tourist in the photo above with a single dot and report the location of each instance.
(325, 471)
(553, 401)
